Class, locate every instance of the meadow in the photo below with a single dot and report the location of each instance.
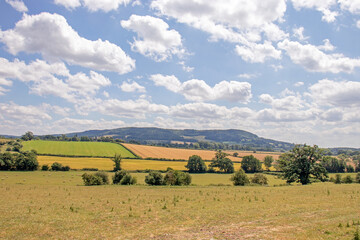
(89, 149)
(56, 205)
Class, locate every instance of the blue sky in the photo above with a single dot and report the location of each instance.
(286, 70)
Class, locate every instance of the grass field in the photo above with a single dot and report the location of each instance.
(51, 205)
(91, 149)
(171, 153)
(107, 164)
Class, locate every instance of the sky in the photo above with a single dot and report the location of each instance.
(285, 70)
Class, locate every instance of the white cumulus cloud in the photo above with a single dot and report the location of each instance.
(155, 39)
(18, 5)
(93, 5)
(132, 87)
(50, 35)
(258, 53)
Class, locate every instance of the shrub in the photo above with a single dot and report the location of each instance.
(357, 178)
(337, 179)
(45, 167)
(196, 164)
(177, 178)
(8, 149)
(348, 179)
(240, 178)
(128, 180)
(26, 162)
(56, 166)
(118, 176)
(260, 179)
(350, 169)
(104, 176)
(7, 161)
(90, 169)
(250, 164)
(91, 179)
(154, 178)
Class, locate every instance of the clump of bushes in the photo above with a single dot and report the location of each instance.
(357, 178)
(348, 179)
(92, 179)
(26, 161)
(122, 177)
(172, 177)
(240, 178)
(59, 167)
(45, 167)
(260, 179)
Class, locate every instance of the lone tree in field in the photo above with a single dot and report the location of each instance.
(222, 162)
(117, 162)
(196, 164)
(251, 164)
(302, 163)
(268, 162)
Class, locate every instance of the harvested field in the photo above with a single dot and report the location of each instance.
(259, 155)
(171, 153)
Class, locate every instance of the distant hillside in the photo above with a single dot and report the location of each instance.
(159, 135)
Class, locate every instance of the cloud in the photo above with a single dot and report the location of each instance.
(314, 60)
(258, 53)
(155, 40)
(299, 33)
(52, 79)
(50, 35)
(247, 75)
(199, 90)
(320, 5)
(299, 84)
(69, 4)
(235, 21)
(285, 103)
(12, 111)
(18, 5)
(339, 94)
(352, 6)
(93, 5)
(358, 24)
(132, 87)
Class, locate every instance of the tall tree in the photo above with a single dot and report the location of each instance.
(268, 162)
(196, 164)
(302, 163)
(117, 162)
(222, 162)
(251, 164)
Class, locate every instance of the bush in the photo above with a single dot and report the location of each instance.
(154, 178)
(260, 179)
(240, 178)
(348, 179)
(45, 167)
(104, 176)
(90, 169)
(250, 164)
(7, 161)
(59, 167)
(26, 162)
(350, 169)
(196, 164)
(91, 179)
(123, 178)
(337, 179)
(177, 178)
(357, 178)
(8, 149)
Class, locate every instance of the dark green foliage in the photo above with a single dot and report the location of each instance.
(348, 179)
(154, 178)
(222, 162)
(250, 164)
(45, 167)
(117, 162)
(356, 235)
(28, 136)
(177, 178)
(333, 165)
(235, 154)
(7, 161)
(91, 179)
(337, 179)
(17, 147)
(104, 177)
(357, 178)
(59, 167)
(122, 177)
(350, 169)
(260, 179)
(196, 164)
(240, 178)
(301, 164)
(268, 162)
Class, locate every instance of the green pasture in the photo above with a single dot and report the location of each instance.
(56, 205)
(89, 149)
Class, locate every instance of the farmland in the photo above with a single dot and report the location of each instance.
(107, 164)
(90, 149)
(171, 153)
(43, 205)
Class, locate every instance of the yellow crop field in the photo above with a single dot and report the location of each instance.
(107, 164)
(259, 155)
(171, 153)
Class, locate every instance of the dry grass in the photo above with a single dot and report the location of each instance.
(171, 153)
(46, 205)
(259, 155)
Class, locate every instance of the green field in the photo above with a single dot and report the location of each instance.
(56, 205)
(89, 149)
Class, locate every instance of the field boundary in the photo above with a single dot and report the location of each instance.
(138, 157)
(82, 156)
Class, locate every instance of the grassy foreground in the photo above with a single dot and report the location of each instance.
(90, 149)
(43, 205)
